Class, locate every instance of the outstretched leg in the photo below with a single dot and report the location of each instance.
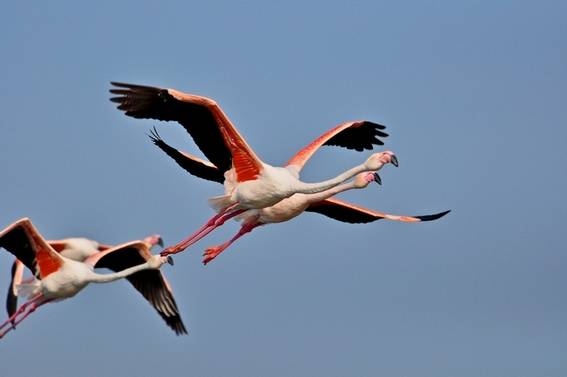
(212, 252)
(209, 226)
(16, 313)
(31, 305)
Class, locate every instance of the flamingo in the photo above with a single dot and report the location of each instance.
(59, 277)
(252, 184)
(75, 248)
(296, 204)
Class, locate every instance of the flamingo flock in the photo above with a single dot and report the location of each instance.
(255, 193)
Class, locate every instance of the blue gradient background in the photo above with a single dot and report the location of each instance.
(473, 95)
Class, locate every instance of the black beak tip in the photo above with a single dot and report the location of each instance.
(160, 242)
(377, 178)
(395, 161)
(170, 260)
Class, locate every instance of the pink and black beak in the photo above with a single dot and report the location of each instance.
(154, 239)
(395, 161)
(377, 178)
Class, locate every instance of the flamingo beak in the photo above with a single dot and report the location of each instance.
(377, 178)
(170, 260)
(160, 241)
(395, 161)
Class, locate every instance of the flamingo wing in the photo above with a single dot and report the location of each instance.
(358, 135)
(150, 283)
(25, 242)
(198, 119)
(208, 125)
(192, 164)
(351, 213)
(17, 273)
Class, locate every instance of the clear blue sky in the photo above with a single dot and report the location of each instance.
(473, 95)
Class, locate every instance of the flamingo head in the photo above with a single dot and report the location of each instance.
(156, 261)
(362, 180)
(154, 239)
(377, 160)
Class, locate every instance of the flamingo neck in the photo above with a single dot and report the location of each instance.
(313, 188)
(319, 196)
(106, 278)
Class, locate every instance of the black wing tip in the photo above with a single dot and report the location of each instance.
(125, 89)
(377, 129)
(174, 321)
(179, 328)
(154, 136)
(118, 100)
(435, 216)
(368, 123)
(120, 87)
(120, 84)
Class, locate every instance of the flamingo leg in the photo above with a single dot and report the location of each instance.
(21, 309)
(209, 226)
(33, 304)
(212, 252)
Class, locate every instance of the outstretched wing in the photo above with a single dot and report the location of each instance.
(192, 164)
(25, 242)
(358, 135)
(198, 119)
(150, 283)
(205, 121)
(351, 213)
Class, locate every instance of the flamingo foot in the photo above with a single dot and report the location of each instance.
(171, 250)
(211, 253)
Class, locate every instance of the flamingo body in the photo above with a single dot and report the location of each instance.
(58, 277)
(296, 204)
(76, 248)
(255, 184)
(273, 184)
(69, 280)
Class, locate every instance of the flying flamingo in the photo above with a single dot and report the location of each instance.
(75, 248)
(58, 277)
(151, 284)
(296, 204)
(253, 184)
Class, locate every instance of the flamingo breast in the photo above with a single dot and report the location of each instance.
(272, 185)
(284, 210)
(67, 281)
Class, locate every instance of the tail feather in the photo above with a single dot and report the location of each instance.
(28, 290)
(219, 202)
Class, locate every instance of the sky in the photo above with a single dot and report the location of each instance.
(473, 97)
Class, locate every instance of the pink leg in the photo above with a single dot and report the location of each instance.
(212, 252)
(20, 310)
(33, 304)
(212, 224)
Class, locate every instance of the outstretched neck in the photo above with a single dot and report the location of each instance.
(106, 278)
(319, 196)
(313, 188)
